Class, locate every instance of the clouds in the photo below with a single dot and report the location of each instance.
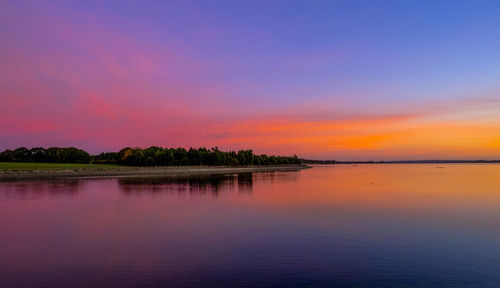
(101, 78)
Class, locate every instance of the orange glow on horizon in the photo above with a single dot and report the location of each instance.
(380, 137)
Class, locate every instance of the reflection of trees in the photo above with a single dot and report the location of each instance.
(271, 177)
(40, 188)
(195, 184)
(245, 183)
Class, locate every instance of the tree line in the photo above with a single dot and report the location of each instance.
(42, 155)
(152, 156)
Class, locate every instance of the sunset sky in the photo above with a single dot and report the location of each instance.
(345, 80)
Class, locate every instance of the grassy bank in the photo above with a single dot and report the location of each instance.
(13, 170)
(54, 166)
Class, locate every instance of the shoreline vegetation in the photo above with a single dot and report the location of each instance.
(149, 157)
(22, 163)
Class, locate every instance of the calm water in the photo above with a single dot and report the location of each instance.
(343, 226)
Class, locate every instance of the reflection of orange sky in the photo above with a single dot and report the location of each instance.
(103, 227)
(388, 187)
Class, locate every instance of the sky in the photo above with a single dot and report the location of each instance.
(344, 80)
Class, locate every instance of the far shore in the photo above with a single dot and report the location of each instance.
(126, 171)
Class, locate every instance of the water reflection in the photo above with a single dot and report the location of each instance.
(342, 226)
(22, 190)
(214, 185)
(245, 183)
(282, 177)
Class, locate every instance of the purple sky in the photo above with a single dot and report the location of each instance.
(323, 79)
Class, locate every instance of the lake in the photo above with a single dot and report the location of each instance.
(393, 225)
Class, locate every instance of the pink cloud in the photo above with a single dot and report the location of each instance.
(101, 88)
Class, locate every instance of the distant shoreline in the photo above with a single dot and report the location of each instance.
(143, 171)
(332, 162)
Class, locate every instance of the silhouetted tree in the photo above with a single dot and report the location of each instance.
(152, 156)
